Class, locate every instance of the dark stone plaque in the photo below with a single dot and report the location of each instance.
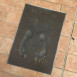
(36, 40)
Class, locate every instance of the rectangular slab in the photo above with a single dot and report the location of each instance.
(36, 22)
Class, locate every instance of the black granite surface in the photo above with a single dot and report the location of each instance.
(38, 21)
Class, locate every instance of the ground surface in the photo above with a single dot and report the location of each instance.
(66, 58)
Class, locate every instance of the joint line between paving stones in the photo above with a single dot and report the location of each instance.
(71, 71)
(10, 14)
(10, 73)
(44, 74)
(30, 1)
(61, 7)
(61, 4)
(1, 41)
(68, 45)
